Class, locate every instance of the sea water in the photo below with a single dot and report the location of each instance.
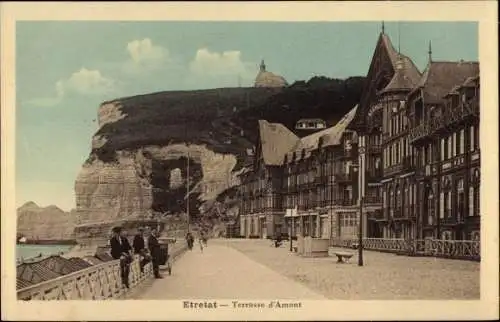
(30, 251)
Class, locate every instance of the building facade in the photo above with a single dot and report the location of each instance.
(445, 137)
(415, 137)
(310, 124)
(426, 127)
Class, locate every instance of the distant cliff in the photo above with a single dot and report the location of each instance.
(45, 223)
(137, 167)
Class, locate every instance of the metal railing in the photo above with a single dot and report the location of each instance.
(450, 116)
(458, 249)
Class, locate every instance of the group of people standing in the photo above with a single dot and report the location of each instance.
(145, 244)
(202, 239)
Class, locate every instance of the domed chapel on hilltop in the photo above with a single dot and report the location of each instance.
(267, 79)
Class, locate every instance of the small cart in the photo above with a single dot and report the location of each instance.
(165, 257)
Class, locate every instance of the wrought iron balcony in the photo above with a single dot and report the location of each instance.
(450, 116)
(322, 179)
(406, 165)
(372, 200)
(450, 219)
(374, 149)
(344, 177)
(345, 154)
(374, 175)
(378, 215)
(345, 202)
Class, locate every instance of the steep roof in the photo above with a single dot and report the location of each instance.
(439, 77)
(331, 136)
(276, 140)
(396, 57)
(406, 76)
(470, 81)
(384, 43)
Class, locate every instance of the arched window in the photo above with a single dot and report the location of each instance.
(430, 206)
(398, 200)
(474, 194)
(406, 197)
(390, 203)
(460, 206)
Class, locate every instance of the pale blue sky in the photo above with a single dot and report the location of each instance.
(65, 69)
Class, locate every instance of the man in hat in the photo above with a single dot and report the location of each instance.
(120, 249)
(139, 246)
(155, 251)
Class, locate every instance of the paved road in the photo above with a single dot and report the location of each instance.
(383, 277)
(222, 272)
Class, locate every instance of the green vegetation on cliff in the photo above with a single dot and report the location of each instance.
(224, 119)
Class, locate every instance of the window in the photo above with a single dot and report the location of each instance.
(450, 149)
(477, 201)
(461, 142)
(430, 207)
(471, 200)
(391, 200)
(476, 135)
(448, 203)
(454, 144)
(472, 143)
(384, 196)
(460, 199)
(442, 202)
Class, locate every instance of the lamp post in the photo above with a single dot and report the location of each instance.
(360, 169)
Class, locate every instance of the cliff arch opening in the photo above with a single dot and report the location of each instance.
(169, 181)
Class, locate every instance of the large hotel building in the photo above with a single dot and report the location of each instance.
(409, 149)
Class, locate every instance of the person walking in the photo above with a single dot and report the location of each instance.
(155, 251)
(204, 238)
(190, 240)
(120, 249)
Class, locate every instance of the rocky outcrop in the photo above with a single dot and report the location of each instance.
(45, 223)
(137, 169)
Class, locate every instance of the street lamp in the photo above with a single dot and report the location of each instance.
(359, 168)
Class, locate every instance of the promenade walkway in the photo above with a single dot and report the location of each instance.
(224, 273)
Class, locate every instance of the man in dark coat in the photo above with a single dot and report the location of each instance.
(140, 248)
(155, 251)
(120, 249)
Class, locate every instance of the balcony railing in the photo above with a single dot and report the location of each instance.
(374, 175)
(450, 116)
(460, 249)
(372, 200)
(374, 149)
(345, 202)
(344, 177)
(405, 165)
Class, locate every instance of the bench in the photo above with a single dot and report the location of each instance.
(341, 256)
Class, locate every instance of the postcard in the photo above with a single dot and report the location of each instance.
(249, 161)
